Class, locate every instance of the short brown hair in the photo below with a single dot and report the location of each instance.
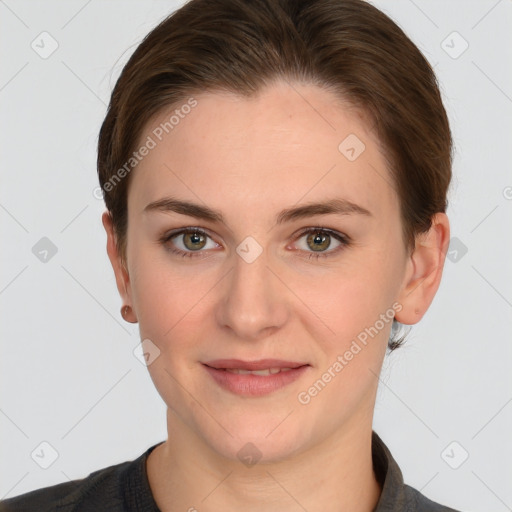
(240, 46)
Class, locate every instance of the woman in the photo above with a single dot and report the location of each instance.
(275, 175)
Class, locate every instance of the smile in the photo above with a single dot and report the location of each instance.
(254, 383)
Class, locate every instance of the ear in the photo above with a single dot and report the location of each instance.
(424, 271)
(120, 271)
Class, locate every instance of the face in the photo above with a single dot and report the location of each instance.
(251, 282)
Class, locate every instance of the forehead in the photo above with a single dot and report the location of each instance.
(286, 144)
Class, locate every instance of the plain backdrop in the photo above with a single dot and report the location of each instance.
(69, 376)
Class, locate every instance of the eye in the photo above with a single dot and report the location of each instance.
(319, 239)
(189, 241)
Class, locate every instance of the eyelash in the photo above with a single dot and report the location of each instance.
(343, 239)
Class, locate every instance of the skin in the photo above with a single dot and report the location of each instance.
(249, 159)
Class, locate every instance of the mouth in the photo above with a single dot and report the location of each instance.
(259, 367)
(254, 378)
(268, 371)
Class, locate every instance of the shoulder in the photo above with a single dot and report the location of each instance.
(68, 496)
(396, 495)
(104, 489)
(420, 503)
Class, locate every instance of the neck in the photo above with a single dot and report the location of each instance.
(186, 474)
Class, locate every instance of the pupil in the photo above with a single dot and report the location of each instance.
(194, 240)
(319, 241)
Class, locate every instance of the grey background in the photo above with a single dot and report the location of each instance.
(68, 372)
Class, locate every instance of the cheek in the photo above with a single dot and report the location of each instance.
(170, 305)
(157, 293)
(351, 296)
(347, 306)
(170, 297)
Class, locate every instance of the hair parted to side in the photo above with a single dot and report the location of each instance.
(346, 46)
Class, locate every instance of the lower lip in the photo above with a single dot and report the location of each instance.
(254, 385)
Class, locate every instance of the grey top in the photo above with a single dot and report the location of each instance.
(125, 487)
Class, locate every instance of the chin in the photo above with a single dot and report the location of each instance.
(257, 444)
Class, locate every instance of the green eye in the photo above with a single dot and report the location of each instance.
(320, 239)
(193, 239)
(196, 240)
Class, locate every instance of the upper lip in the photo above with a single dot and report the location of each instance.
(260, 364)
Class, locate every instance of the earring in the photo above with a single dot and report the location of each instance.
(124, 311)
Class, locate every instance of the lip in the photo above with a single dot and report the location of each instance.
(260, 364)
(254, 385)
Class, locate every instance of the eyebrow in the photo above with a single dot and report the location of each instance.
(338, 206)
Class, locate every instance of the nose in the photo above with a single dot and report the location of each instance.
(254, 302)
